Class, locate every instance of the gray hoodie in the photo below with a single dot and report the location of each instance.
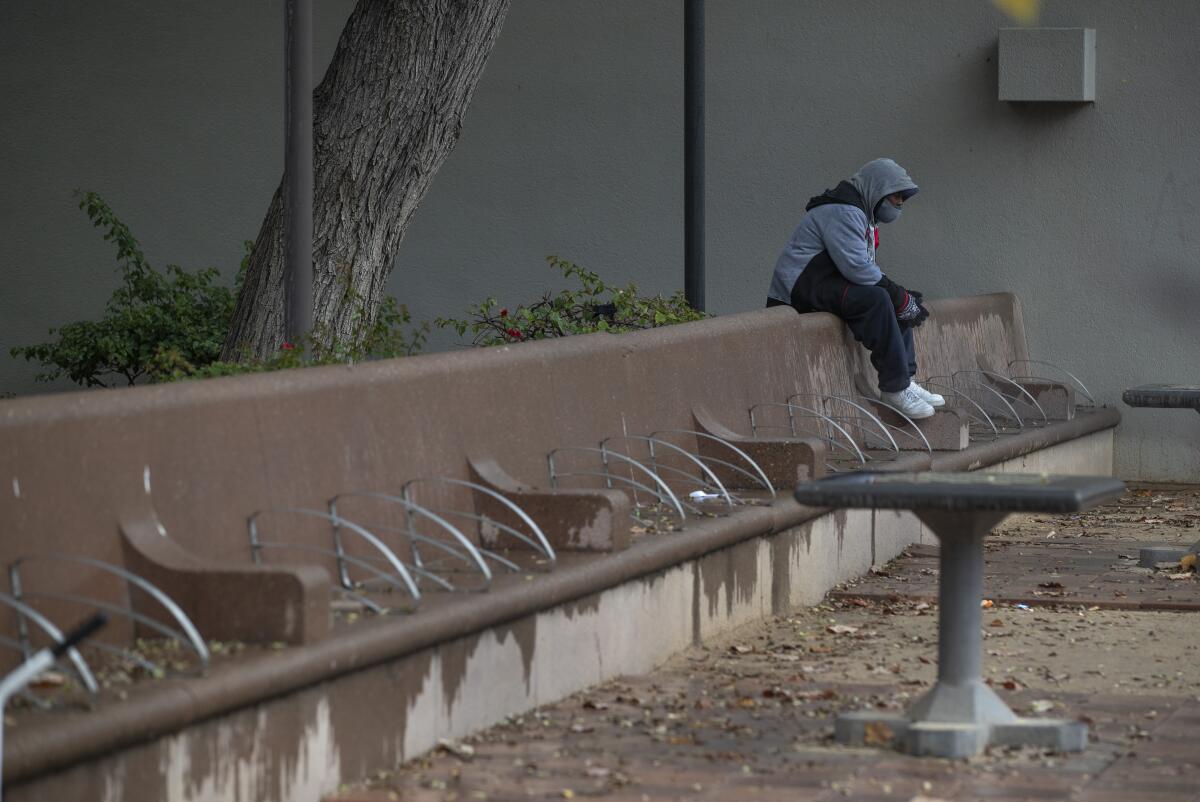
(835, 223)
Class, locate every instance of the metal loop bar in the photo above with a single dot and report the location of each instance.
(911, 423)
(115, 609)
(987, 419)
(813, 413)
(999, 397)
(497, 557)
(1086, 393)
(187, 632)
(24, 611)
(651, 440)
(366, 563)
(411, 507)
(379, 545)
(685, 477)
(508, 530)
(854, 449)
(149, 666)
(414, 536)
(543, 542)
(419, 570)
(825, 399)
(696, 481)
(448, 549)
(604, 454)
(761, 475)
(361, 599)
(630, 482)
(1006, 380)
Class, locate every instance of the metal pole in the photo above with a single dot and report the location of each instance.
(693, 145)
(298, 169)
(960, 590)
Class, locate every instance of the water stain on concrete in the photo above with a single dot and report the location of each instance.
(367, 695)
(783, 549)
(588, 605)
(524, 632)
(736, 570)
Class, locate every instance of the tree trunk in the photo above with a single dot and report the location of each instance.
(386, 115)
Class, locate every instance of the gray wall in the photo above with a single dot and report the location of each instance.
(574, 147)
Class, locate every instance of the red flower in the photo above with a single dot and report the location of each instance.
(514, 333)
(286, 347)
(503, 313)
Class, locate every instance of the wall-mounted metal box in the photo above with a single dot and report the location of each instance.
(1055, 64)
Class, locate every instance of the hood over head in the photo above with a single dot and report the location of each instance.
(879, 178)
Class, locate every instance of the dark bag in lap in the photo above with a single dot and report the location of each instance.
(821, 287)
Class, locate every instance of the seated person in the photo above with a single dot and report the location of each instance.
(829, 266)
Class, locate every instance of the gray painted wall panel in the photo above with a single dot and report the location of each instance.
(574, 146)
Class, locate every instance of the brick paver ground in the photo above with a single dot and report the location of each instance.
(751, 717)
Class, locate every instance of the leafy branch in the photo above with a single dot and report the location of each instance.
(595, 306)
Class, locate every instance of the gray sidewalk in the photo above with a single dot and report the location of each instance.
(1075, 630)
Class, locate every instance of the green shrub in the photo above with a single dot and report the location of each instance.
(151, 319)
(169, 326)
(596, 306)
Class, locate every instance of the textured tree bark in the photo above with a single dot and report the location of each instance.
(386, 116)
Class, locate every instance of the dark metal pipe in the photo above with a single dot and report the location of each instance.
(298, 170)
(693, 146)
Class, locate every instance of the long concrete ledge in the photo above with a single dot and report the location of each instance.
(52, 745)
(103, 475)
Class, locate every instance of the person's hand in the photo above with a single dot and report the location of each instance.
(914, 312)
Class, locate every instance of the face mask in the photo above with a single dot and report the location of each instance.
(887, 212)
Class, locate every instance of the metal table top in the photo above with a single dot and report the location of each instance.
(1163, 395)
(960, 492)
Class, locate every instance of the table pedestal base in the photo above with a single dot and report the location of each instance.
(960, 715)
(958, 721)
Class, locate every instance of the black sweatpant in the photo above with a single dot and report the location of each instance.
(869, 313)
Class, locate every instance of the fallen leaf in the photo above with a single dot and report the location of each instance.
(738, 649)
(987, 604)
(996, 622)
(1041, 705)
(1050, 585)
(590, 704)
(876, 733)
(841, 629)
(1188, 562)
(1180, 576)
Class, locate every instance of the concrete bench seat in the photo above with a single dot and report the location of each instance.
(93, 473)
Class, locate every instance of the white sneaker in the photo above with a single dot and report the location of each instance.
(932, 399)
(908, 402)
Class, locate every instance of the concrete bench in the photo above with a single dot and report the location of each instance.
(162, 479)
